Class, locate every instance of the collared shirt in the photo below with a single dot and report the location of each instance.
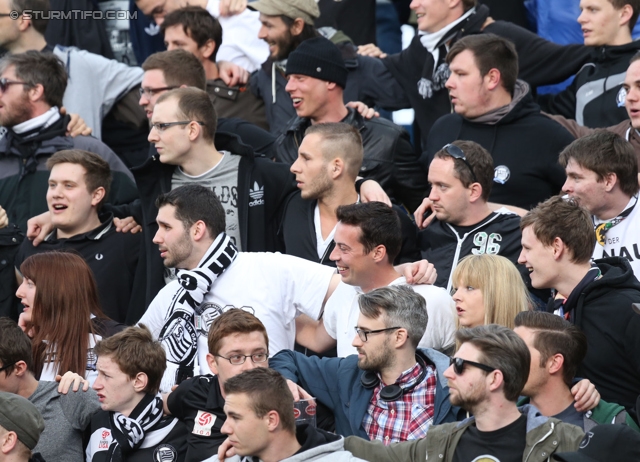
(409, 417)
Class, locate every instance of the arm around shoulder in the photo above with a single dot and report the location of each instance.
(375, 451)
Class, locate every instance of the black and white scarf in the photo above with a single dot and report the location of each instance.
(436, 44)
(129, 432)
(179, 336)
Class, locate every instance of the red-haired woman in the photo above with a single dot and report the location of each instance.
(62, 314)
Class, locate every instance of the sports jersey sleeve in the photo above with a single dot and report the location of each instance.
(304, 284)
(156, 313)
(190, 394)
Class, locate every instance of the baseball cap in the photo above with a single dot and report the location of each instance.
(17, 414)
(606, 443)
(305, 9)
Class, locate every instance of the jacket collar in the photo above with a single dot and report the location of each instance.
(95, 234)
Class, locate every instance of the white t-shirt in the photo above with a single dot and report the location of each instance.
(623, 240)
(240, 42)
(274, 287)
(341, 316)
(321, 244)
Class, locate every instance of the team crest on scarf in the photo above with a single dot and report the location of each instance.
(426, 87)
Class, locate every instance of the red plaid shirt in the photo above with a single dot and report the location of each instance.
(407, 418)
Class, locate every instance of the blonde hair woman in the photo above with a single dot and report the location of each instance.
(488, 289)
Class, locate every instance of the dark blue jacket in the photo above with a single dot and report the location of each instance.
(335, 382)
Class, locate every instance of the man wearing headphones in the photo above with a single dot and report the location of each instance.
(390, 391)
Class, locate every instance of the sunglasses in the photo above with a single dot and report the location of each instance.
(4, 368)
(6, 83)
(458, 365)
(457, 153)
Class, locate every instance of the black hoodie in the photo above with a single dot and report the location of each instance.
(603, 311)
(524, 145)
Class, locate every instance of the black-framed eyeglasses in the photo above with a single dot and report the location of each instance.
(363, 334)
(151, 92)
(458, 365)
(163, 126)
(4, 368)
(457, 153)
(6, 83)
(237, 360)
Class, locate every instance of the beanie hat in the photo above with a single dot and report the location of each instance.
(318, 58)
(17, 414)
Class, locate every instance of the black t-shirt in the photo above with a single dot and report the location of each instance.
(504, 445)
(571, 416)
(199, 404)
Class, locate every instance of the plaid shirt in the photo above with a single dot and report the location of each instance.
(407, 418)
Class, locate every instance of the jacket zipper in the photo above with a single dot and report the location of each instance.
(541, 440)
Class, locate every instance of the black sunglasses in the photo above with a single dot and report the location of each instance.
(457, 153)
(5, 83)
(458, 365)
(4, 368)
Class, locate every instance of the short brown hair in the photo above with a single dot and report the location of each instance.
(604, 152)
(555, 335)
(340, 140)
(233, 321)
(268, 391)
(379, 225)
(97, 170)
(198, 24)
(39, 21)
(14, 346)
(503, 349)
(134, 350)
(480, 160)
(195, 104)
(635, 6)
(179, 67)
(39, 68)
(563, 218)
(490, 52)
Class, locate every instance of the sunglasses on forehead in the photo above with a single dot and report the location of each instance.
(459, 363)
(457, 153)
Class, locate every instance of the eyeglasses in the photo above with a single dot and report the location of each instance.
(363, 334)
(457, 153)
(5, 83)
(4, 368)
(458, 365)
(236, 360)
(163, 126)
(150, 92)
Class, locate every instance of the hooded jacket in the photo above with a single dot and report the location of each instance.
(596, 98)
(545, 437)
(317, 446)
(541, 63)
(336, 383)
(389, 157)
(24, 177)
(368, 81)
(263, 186)
(524, 145)
(603, 311)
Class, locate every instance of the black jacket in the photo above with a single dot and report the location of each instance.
(298, 233)
(594, 98)
(540, 63)
(524, 145)
(443, 246)
(259, 216)
(389, 157)
(603, 311)
(367, 81)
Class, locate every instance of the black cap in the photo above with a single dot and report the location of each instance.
(318, 58)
